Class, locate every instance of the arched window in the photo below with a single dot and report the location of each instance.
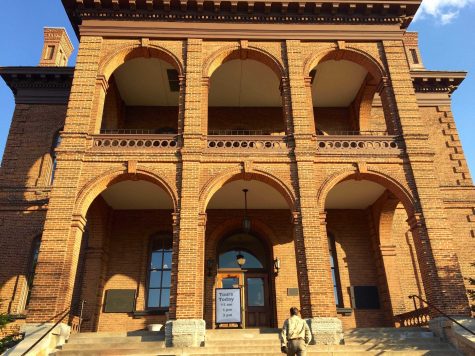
(250, 247)
(159, 272)
(56, 143)
(33, 260)
(335, 272)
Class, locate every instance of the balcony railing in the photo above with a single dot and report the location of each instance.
(135, 141)
(264, 143)
(354, 143)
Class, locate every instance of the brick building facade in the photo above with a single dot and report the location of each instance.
(126, 172)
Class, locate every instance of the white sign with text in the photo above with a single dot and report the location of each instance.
(228, 305)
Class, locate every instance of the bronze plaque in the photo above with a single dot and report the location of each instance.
(292, 292)
(119, 301)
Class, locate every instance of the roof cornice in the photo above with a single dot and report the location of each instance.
(47, 85)
(267, 11)
(431, 81)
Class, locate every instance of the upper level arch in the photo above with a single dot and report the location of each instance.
(343, 84)
(142, 94)
(244, 92)
(364, 59)
(232, 52)
(113, 61)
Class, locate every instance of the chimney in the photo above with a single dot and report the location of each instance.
(57, 48)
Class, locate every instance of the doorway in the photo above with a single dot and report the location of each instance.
(243, 263)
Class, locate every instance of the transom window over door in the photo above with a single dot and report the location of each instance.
(159, 279)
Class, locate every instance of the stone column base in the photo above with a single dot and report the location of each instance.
(185, 333)
(326, 331)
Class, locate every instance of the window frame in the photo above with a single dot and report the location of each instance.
(31, 267)
(335, 271)
(56, 143)
(163, 237)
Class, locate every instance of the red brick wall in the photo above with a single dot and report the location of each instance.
(126, 257)
(356, 262)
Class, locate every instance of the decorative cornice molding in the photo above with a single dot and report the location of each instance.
(266, 11)
(426, 81)
(50, 85)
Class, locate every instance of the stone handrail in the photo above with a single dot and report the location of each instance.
(418, 317)
(265, 143)
(128, 142)
(362, 142)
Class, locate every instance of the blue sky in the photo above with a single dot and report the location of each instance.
(446, 29)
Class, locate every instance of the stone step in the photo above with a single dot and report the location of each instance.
(123, 345)
(389, 343)
(115, 339)
(187, 352)
(274, 349)
(115, 334)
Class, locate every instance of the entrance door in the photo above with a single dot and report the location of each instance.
(254, 294)
(257, 300)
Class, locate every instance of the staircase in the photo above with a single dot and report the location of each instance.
(260, 342)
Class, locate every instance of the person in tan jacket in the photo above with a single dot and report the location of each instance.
(295, 335)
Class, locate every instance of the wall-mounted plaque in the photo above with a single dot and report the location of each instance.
(292, 292)
(119, 301)
(228, 305)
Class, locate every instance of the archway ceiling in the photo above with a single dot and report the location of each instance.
(144, 82)
(353, 194)
(136, 195)
(337, 83)
(244, 83)
(260, 196)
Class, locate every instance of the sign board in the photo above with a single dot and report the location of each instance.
(119, 301)
(228, 305)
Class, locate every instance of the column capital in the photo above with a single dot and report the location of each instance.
(388, 250)
(415, 221)
(296, 217)
(202, 219)
(103, 82)
(79, 221)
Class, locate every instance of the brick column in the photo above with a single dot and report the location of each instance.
(61, 241)
(311, 243)
(438, 261)
(188, 271)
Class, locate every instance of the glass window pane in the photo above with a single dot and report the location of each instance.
(228, 260)
(166, 279)
(156, 260)
(167, 260)
(155, 279)
(153, 298)
(255, 292)
(230, 282)
(165, 299)
(335, 291)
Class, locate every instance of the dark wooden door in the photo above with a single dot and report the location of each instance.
(257, 300)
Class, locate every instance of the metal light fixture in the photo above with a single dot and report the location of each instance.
(246, 222)
(276, 266)
(240, 259)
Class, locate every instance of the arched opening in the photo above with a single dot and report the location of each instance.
(344, 95)
(374, 265)
(245, 99)
(142, 98)
(250, 247)
(124, 271)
